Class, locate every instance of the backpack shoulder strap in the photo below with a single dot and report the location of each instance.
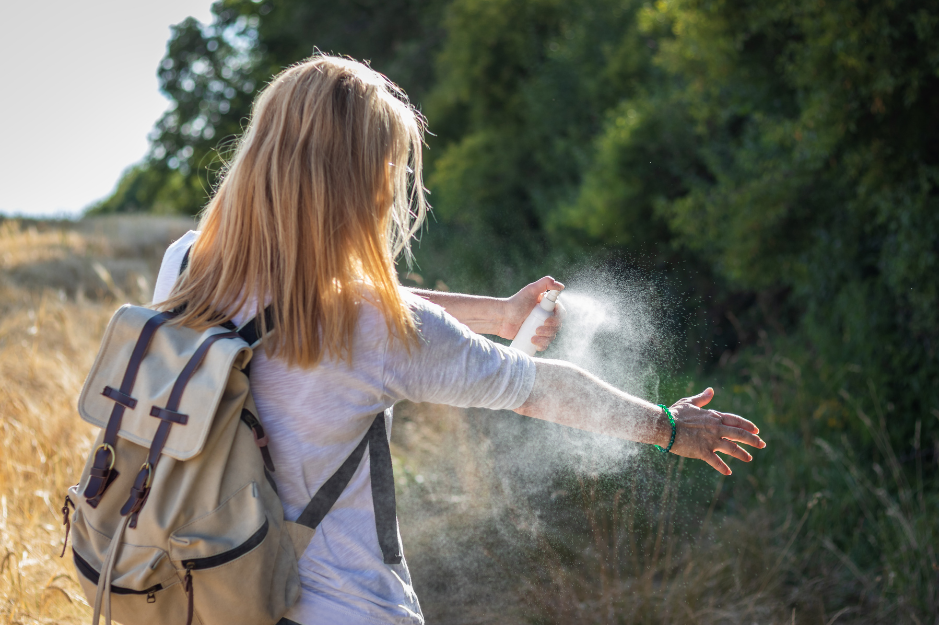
(250, 331)
(382, 476)
(185, 263)
(383, 490)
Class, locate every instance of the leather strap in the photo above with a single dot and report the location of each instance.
(260, 438)
(383, 493)
(119, 397)
(103, 469)
(187, 588)
(250, 333)
(141, 487)
(65, 522)
(169, 415)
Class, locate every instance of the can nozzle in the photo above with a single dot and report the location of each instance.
(549, 301)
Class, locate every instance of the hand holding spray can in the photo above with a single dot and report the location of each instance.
(535, 319)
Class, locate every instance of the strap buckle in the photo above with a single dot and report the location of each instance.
(110, 449)
(149, 468)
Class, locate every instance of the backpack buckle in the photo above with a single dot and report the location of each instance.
(110, 449)
(149, 469)
(99, 475)
(138, 493)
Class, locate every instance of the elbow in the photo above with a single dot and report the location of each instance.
(559, 386)
(527, 409)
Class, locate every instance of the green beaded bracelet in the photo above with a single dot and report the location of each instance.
(671, 419)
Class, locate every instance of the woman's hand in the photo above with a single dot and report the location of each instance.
(517, 308)
(701, 432)
(565, 394)
(501, 316)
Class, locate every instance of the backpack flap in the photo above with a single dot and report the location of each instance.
(203, 359)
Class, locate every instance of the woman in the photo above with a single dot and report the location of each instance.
(323, 193)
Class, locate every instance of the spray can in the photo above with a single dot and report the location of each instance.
(535, 319)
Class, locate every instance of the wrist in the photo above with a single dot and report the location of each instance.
(500, 309)
(661, 428)
(667, 421)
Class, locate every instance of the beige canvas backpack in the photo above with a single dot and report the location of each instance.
(176, 516)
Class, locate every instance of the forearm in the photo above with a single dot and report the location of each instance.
(566, 394)
(482, 315)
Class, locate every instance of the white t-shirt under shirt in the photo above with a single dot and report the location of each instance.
(316, 417)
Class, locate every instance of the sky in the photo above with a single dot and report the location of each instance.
(78, 96)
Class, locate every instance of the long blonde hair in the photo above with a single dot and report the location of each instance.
(323, 192)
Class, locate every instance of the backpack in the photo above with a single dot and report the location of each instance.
(176, 517)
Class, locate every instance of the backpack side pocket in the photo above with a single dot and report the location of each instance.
(234, 561)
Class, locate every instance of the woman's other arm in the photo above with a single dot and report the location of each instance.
(501, 316)
(566, 394)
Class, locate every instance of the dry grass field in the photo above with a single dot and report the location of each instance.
(669, 543)
(59, 284)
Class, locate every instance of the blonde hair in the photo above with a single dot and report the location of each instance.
(322, 194)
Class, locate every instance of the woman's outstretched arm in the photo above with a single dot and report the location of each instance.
(501, 316)
(566, 394)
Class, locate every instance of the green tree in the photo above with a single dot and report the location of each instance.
(816, 124)
(523, 90)
(786, 150)
(212, 72)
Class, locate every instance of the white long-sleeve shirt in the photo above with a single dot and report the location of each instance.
(315, 418)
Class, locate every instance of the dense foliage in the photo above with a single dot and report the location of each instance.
(789, 151)
(776, 161)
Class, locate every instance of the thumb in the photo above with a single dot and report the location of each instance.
(702, 398)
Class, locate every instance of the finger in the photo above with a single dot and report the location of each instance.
(543, 337)
(554, 285)
(736, 434)
(719, 465)
(737, 422)
(542, 342)
(733, 449)
(551, 322)
(545, 284)
(702, 398)
(548, 336)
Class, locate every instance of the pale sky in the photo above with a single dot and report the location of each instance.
(79, 96)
